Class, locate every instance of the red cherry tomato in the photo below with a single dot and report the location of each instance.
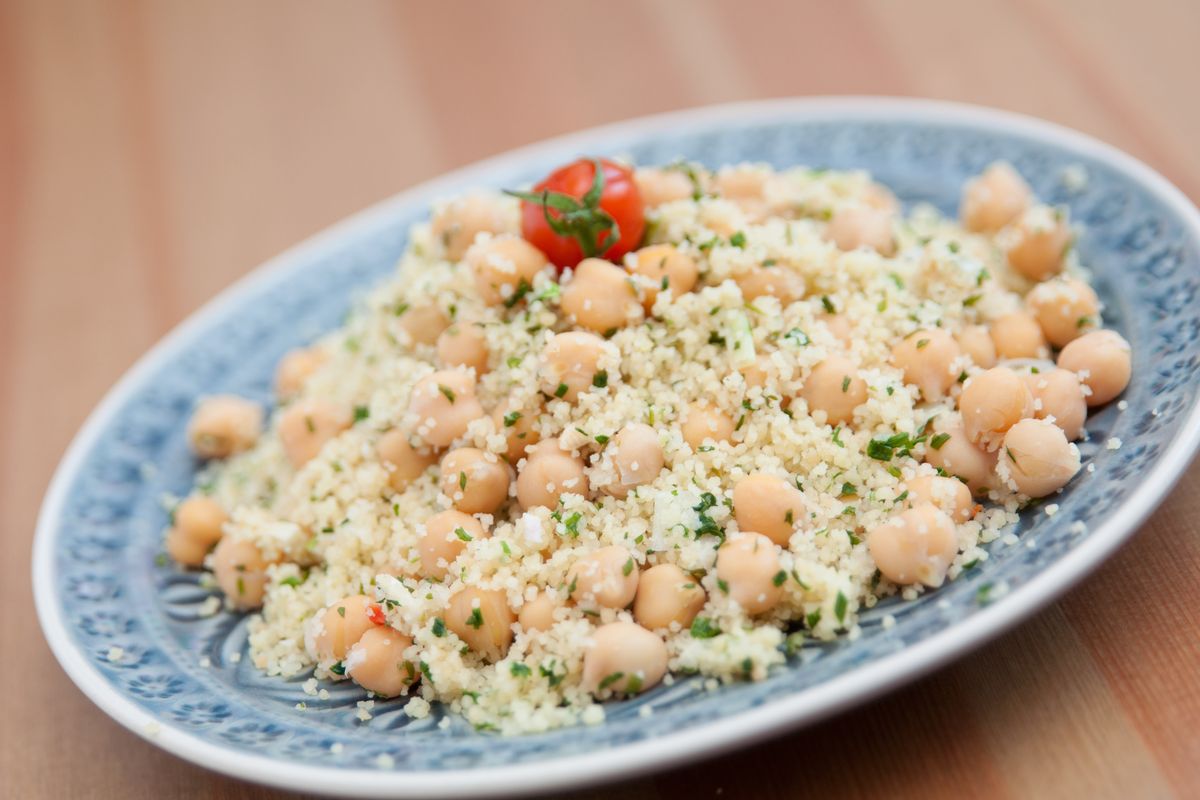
(585, 219)
(375, 614)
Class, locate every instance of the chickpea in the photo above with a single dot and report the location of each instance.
(1018, 335)
(769, 505)
(476, 481)
(666, 594)
(958, 456)
(294, 370)
(483, 620)
(198, 523)
(976, 342)
(748, 564)
(504, 266)
(376, 662)
(1058, 394)
(548, 473)
(241, 572)
(757, 373)
(1038, 458)
(994, 199)
(991, 403)
(833, 387)
(774, 281)
(625, 658)
(601, 297)
(1042, 242)
(880, 198)
(927, 358)
(658, 186)
(339, 626)
(458, 222)
(1066, 309)
(853, 227)
(1102, 361)
(463, 345)
(423, 324)
(705, 423)
(517, 426)
(445, 537)
(949, 495)
(662, 267)
(839, 325)
(637, 456)
(915, 547)
(445, 405)
(223, 425)
(404, 462)
(306, 425)
(604, 578)
(744, 182)
(571, 363)
(538, 614)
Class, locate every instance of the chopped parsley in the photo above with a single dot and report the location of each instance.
(511, 418)
(738, 239)
(937, 441)
(448, 392)
(476, 618)
(600, 379)
(704, 628)
(829, 307)
(462, 534)
(561, 391)
(520, 670)
(439, 627)
(361, 413)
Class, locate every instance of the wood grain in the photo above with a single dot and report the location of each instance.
(152, 152)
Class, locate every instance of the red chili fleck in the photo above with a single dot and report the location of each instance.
(375, 614)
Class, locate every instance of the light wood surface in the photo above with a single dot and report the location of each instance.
(152, 152)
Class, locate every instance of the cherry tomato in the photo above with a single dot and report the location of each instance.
(583, 213)
(375, 614)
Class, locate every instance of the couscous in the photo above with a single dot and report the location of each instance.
(636, 423)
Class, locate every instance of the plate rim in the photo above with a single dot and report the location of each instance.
(737, 731)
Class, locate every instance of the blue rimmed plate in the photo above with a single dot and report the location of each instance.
(132, 635)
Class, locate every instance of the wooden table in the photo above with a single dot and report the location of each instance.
(152, 152)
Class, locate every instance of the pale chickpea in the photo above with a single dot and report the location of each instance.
(223, 425)
(1066, 308)
(835, 389)
(571, 364)
(976, 342)
(295, 368)
(853, 227)
(463, 345)
(991, 403)
(768, 504)
(445, 537)
(949, 495)
(445, 404)
(197, 527)
(335, 630)
(601, 296)
(623, 658)
(423, 324)
(915, 547)
(879, 197)
(517, 426)
(483, 620)
(1038, 458)
(1057, 393)
(476, 481)
(306, 425)
(658, 186)
(457, 223)
(403, 462)
(662, 267)
(547, 474)
(240, 571)
(774, 281)
(376, 662)
(604, 578)
(957, 455)
(703, 422)
(504, 267)
(1041, 243)
(927, 358)
(538, 614)
(637, 456)
(839, 325)
(758, 372)
(748, 564)
(743, 182)
(666, 594)
(1018, 335)
(1102, 361)
(994, 199)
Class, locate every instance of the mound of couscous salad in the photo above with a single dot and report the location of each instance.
(634, 423)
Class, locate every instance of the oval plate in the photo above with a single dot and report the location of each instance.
(132, 632)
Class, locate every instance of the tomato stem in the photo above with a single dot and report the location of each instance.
(581, 219)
